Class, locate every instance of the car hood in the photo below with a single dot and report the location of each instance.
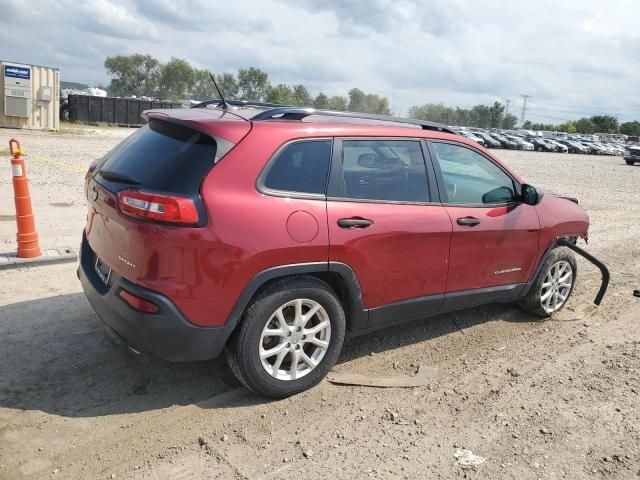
(558, 195)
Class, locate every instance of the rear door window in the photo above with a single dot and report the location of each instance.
(301, 167)
(161, 156)
(384, 170)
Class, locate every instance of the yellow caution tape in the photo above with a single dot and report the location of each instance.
(69, 166)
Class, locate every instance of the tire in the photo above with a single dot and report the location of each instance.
(534, 302)
(630, 162)
(289, 295)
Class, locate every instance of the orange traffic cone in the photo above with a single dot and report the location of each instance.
(28, 246)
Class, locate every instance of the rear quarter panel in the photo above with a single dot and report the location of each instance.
(247, 231)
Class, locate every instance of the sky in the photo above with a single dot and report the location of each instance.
(574, 57)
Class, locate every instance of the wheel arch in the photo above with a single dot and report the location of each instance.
(570, 243)
(339, 276)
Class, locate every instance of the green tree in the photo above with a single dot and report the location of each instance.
(527, 125)
(461, 116)
(356, 100)
(301, 96)
(228, 84)
(481, 116)
(360, 101)
(378, 104)
(133, 75)
(509, 121)
(282, 94)
(435, 112)
(253, 83)
(497, 112)
(203, 88)
(585, 125)
(321, 101)
(339, 103)
(176, 79)
(567, 127)
(604, 124)
(630, 128)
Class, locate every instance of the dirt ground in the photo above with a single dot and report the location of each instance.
(554, 399)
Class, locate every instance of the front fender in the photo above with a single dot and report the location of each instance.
(561, 217)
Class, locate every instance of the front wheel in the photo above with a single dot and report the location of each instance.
(289, 338)
(554, 284)
(630, 162)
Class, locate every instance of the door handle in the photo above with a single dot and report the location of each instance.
(354, 222)
(468, 221)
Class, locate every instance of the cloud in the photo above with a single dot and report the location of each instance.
(574, 57)
(362, 17)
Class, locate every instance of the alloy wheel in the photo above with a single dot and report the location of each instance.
(295, 339)
(556, 286)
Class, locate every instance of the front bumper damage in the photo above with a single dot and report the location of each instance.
(603, 268)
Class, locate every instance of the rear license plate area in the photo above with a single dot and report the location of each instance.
(103, 271)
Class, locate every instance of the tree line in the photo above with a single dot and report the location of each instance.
(482, 116)
(494, 116)
(588, 125)
(143, 75)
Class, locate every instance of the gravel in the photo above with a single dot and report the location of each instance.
(569, 400)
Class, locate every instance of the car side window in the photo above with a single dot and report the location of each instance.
(301, 167)
(471, 178)
(384, 170)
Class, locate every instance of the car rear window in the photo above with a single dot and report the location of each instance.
(160, 156)
(301, 167)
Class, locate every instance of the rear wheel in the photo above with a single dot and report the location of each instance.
(630, 162)
(553, 285)
(289, 338)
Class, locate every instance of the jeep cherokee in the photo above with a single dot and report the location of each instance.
(273, 232)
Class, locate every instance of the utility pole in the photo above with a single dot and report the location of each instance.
(524, 107)
(507, 103)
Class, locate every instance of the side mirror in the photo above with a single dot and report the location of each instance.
(530, 195)
(499, 195)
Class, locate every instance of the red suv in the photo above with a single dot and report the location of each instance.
(275, 231)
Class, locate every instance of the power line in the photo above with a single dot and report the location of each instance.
(507, 102)
(532, 114)
(584, 112)
(589, 107)
(524, 107)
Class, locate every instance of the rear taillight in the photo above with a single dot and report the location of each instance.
(138, 303)
(158, 207)
(87, 178)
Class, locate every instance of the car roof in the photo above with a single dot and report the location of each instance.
(212, 114)
(259, 111)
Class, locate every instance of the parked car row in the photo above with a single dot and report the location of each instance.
(517, 140)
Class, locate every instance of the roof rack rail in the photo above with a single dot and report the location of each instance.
(276, 111)
(240, 103)
(298, 113)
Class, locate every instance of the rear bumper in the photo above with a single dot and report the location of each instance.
(166, 334)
